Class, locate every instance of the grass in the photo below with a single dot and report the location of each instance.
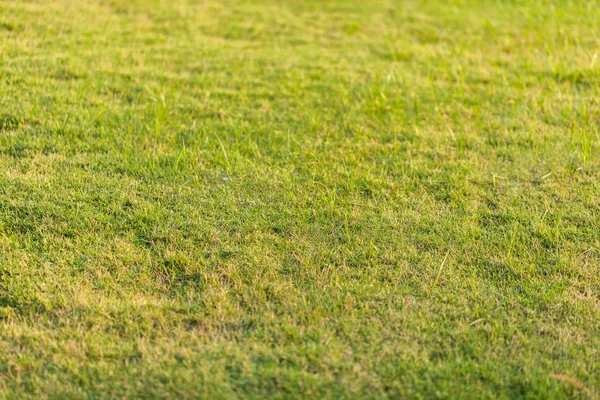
(299, 199)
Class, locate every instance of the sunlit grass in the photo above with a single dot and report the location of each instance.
(297, 199)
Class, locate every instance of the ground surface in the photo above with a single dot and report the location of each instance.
(300, 199)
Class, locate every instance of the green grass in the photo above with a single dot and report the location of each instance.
(300, 199)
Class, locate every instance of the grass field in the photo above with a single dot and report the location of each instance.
(300, 199)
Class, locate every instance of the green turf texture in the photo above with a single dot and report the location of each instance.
(300, 199)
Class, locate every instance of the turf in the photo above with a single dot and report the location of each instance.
(299, 199)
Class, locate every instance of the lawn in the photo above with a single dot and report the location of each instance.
(299, 199)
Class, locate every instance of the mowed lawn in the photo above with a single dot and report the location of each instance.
(299, 199)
